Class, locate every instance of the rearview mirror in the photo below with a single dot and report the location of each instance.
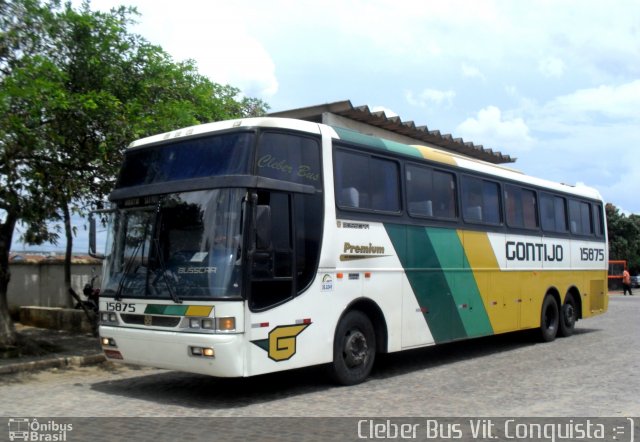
(92, 239)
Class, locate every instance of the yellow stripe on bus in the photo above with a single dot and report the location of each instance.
(484, 265)
(199, 310)
(435, 155)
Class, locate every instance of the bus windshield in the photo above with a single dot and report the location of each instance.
(184, 245)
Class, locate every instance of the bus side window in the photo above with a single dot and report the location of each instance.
(553, 213)
(481, 201)
(597, 219)
(580, 217)
(366, 182)
(520, 207)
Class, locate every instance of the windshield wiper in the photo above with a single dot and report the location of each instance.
(127, 267)
(129, 264)
(164, 271)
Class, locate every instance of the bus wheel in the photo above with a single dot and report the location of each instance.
(354, 349)
(568, 316)
(549, 319)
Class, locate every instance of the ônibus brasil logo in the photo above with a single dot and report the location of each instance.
(32, 430)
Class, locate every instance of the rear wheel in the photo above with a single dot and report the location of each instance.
(549, 319)
(354, 349)
(568, 316)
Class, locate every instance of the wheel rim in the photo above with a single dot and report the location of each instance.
(569, 313)
(356, 349)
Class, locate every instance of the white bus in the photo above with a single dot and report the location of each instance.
(251, 246)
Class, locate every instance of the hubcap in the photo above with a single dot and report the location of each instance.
(568, 313)
(355, 349)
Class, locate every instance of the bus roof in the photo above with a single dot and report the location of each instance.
(374, 143)
(203, 129)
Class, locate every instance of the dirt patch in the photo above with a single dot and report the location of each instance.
(28, 344)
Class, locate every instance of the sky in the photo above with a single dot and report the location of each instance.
(555, 84)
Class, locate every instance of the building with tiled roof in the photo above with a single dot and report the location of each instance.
(362, 119)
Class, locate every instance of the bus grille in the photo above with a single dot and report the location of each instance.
(158, 321)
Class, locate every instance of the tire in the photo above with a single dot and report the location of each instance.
(549, 319)
(354, 349)
(568, 316)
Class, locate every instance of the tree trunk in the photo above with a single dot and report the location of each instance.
(67, 256)
(7, 329)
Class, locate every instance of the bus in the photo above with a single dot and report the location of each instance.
(251, 246)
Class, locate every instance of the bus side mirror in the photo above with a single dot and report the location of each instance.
(92, 239)
(263, 227)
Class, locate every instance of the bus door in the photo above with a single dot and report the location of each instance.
(284, 240)
(272, 257)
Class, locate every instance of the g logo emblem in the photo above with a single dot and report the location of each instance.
(281, 344)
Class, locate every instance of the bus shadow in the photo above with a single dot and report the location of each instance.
(397, 364)
(206, 392)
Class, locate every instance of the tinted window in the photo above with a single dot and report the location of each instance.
(580, 218)
(308, 232)
(288, 261)
(385, 191)
(365, 182)
(480, 201)
(272, 259)
(431, 193)
(521, 207)
(194, 158)
(289, 157)
(597, 217)
(553, 213)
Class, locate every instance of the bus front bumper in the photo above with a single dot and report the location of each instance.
(211, 354)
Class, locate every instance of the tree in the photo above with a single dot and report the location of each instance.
(624, 237)
(75, 88)
(26, 80)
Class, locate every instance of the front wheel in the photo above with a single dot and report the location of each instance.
(549, 319)
(568, 316)
(354, 349)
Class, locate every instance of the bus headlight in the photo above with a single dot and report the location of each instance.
(108, 318)
(226, 324)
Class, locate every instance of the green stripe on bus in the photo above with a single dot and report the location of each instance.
(427, 280)
(454, 307)
(464, 288)
(173, 310)
(376, 143)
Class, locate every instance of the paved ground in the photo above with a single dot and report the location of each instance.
(593, 373)
(596, 372)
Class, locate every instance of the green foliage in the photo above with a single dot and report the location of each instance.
(75, 88)
(624, 237)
